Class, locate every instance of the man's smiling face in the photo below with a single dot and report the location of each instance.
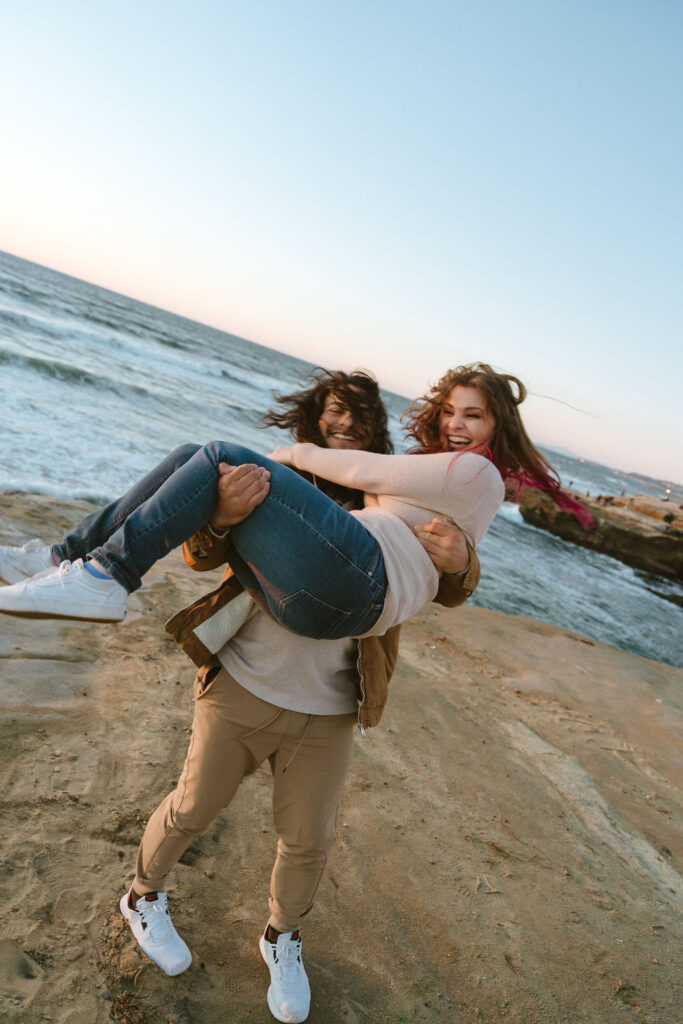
(339, 428)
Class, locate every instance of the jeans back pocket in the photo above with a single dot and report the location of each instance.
(306, 615)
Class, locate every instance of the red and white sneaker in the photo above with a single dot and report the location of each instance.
(289, 994)
(155, 934)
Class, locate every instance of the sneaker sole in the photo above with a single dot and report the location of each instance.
(285, 1020)
(54, 615)
(169, 974)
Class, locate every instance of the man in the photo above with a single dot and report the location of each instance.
(263, 693)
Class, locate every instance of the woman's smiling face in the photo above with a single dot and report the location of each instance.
(465, 421)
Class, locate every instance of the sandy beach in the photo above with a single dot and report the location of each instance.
(508, 846)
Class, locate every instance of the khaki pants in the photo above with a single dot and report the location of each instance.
(233, 733)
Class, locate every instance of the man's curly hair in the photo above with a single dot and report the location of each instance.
(357, 391)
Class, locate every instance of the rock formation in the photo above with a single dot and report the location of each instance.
(642, 531)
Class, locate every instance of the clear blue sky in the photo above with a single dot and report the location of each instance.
(400, 185)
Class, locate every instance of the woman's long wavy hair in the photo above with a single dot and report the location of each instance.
(358, 391)
(511, 449)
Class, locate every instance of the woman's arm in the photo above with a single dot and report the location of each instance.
(407, 476)
(466, 488)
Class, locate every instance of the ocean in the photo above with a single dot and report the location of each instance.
(97, 387)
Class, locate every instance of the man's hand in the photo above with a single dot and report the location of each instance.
(445, 545)
(240, 490)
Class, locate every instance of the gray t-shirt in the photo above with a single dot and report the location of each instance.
(316, 677)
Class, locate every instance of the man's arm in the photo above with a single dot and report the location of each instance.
(240, 490)
(454, 557)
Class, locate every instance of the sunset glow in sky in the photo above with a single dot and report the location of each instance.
(399, 185)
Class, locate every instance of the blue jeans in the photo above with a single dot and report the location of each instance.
(316, 568)
(98, 527)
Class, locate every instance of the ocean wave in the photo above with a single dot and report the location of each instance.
(169, 342)
(69, 373)
(258, 381)
(508, 510)
(114, 325)
(228, 375)
(22, 322)
(61, 371)
(22, 291)
(66, 330)
(136, 328)
(18, 326)
(668, 590)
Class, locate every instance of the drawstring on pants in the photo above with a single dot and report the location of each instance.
(270, 721)
(296, 749)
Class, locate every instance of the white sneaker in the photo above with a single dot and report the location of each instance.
(289, 995)
(67, 591)
(153, 930)
(21, 563)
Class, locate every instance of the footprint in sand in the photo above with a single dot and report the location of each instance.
(351, 1011)
(20, 976)
(75, 906)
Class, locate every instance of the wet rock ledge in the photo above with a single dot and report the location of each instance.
(644, 532)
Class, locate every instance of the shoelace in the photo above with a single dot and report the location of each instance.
(66, 566)
(62, 569)
(156, 920)
(288, 961)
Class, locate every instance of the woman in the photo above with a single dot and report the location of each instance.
(321, 571)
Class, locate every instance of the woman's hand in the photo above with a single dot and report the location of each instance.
(445, 544)
(282, 454)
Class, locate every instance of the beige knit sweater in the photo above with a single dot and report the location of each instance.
(403, 491)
